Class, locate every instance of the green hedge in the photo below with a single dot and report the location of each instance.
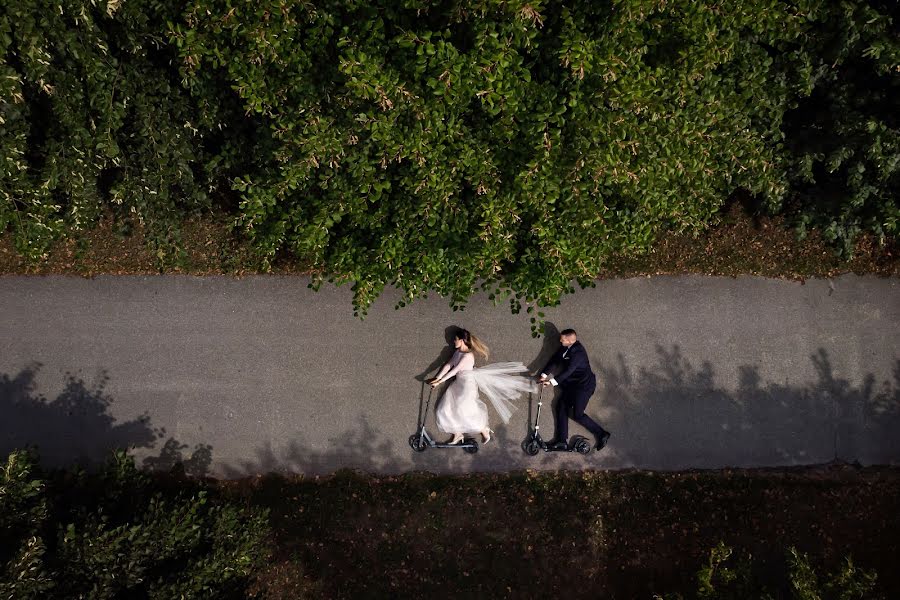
(436, 146)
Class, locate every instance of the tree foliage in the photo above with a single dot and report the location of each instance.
(440, 146)
(92, 117)
(506, 142)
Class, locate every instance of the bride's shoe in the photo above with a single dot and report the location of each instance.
(486, 435)
(457, 438)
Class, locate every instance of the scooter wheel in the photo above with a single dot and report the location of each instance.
(531, 448)
(471, 447)
(417, 443)
(582, 446)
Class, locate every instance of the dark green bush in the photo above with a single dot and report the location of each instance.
(114, 535)
(844, 138)
(726, 577)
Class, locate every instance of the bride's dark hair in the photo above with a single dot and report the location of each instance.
(474, 344)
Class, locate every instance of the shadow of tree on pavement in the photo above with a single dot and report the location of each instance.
(673, 416)
(76, 427)
(669, 416)
(173, 457)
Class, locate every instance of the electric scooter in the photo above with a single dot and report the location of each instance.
(420, 440)
(534, 443)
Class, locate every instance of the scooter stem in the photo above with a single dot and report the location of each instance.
(425, 412)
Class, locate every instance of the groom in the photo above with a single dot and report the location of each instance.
(572, 373)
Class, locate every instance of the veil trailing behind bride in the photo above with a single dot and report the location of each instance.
(501, 383)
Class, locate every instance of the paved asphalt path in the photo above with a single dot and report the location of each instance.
(239, 376)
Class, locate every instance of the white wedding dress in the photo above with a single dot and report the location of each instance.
(461, 410)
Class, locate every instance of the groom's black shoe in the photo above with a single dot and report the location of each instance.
(557, 445)
(601, 441)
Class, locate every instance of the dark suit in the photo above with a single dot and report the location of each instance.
(572, 371)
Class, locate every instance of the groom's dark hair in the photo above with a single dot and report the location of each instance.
(568, 332)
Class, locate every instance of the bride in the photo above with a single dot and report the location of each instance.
(460, 410)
